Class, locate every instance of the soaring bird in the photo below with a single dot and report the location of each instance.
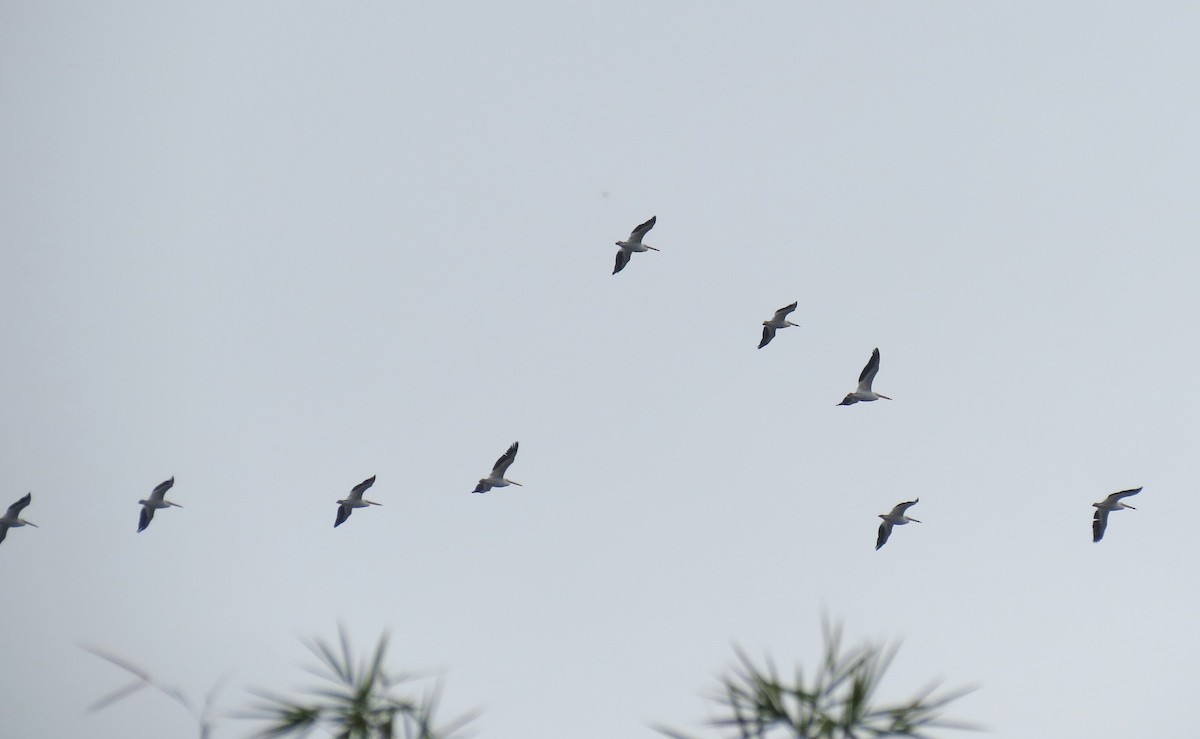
(156, 501)
(633, 244)
(347, 506)
(864, 393)
(778, 321)
(10, 520)
(895, 518)
(1111, 503)
(496, 479)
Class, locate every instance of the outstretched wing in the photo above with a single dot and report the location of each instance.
(885, 530)
(146, 518)
(19, 506)
(1099, 523)
(1123, 494)
(902, 507)
(161, 489)
(622, 260)
(783, 312)
(505, 461)
(343, 513)
(635, 236)
(358, 490)
(868, 374)
(768, 334)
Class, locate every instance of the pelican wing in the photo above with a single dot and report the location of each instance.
(1123, 494)
(3, 531)
(357, 491)
(768, 334)
(344, 512)
(161, 489)
(902, 507)
(635, 236)
(868, 374)
(885, 530)
(1099, 523)
(505, 461)
(146, 518)
(17, 507)
(622, 260)
(782, 313)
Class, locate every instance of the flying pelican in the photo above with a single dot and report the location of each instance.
(864, 393)
(496, 479)
(347, 506)
(1100, 521)
(778, 321)
(156, 501)
(633, 244)
(10, 520)
(895, 518)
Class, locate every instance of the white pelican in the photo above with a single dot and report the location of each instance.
(1111, 503)
(778, 321)
(633, 244)
(10, 520)
(496, 479)
(156, 501)
(347, 506)
(895, 518)
(864, 393)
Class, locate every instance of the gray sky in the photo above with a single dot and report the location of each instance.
(274, 248)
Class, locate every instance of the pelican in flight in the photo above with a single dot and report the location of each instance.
(1100, 520)
(864, 393)
(347, 506)
(156, 501)
(633, 244)
(778, 321)
(496, 479)
(895, 518)
(10, 520)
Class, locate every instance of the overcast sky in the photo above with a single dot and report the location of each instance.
(273, 248)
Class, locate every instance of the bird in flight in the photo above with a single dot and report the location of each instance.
(777, 321)
(895, 518)
(155, 502)
(10, 519)
(1104, 507)
(864, 393)
(496, 478)
(633, 244)
(347, 506)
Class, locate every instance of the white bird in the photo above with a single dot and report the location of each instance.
(633, 244)
(864, 393)
(1111, 503)
(895, 518)
(778, 321)
(347, 506)
(10, 520)
(496, 479)
(156, 501)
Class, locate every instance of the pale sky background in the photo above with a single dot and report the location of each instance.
(273, 248)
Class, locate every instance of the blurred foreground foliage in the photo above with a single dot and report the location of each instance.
(357, 698)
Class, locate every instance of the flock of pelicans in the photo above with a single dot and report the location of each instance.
(496, 479)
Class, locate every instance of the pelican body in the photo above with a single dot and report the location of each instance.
(155, 502)
(895, 518)
(864, 393)
(346, 506)
(11, 519)
(496, 478)
(776, 322)
(1106, 506)
(634, 243)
